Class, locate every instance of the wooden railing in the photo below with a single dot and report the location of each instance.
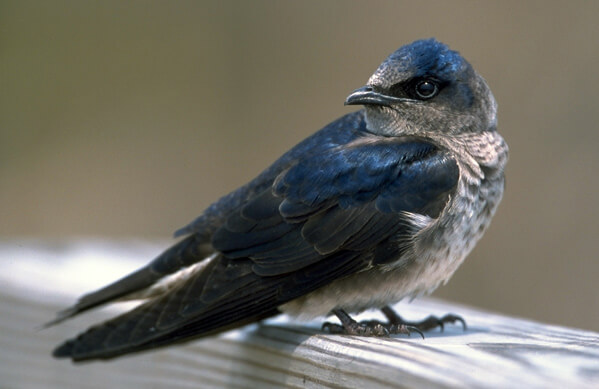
(494, 352)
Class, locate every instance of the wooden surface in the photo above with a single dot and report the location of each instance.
(495, 352)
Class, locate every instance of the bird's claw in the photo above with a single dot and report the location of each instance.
(358, 329)
(394, 325)
(371, 328)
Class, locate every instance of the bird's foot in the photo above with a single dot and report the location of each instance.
(427, 324)
(367, 328)
(395, 325)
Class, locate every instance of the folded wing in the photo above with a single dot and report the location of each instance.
(322, 218)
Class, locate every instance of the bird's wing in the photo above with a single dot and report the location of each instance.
(352, 198)
(196, 246)
(323, 218)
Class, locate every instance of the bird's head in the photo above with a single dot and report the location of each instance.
(426, 87)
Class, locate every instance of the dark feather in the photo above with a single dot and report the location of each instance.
(335, 205)
(190, 250)
(185, 313)
(333, 197)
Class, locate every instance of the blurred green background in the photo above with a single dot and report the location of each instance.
(126, 119)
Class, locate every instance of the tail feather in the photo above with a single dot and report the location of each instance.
(185, 253)
(222, 294)
(164, 320)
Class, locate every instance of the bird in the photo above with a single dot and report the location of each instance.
(380, 205)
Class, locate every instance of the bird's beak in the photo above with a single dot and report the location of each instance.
(367, 96)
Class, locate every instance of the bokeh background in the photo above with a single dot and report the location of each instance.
(126, 119)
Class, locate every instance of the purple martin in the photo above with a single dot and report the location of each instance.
(380, 205)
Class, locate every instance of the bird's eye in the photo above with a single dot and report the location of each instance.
(426, 89)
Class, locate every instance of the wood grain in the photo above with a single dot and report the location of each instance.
(495, 352)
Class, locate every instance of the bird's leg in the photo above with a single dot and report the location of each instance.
(429, 323)
(351, 327)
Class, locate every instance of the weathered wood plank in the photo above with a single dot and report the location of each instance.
(495, 352)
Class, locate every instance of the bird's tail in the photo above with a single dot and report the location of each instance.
(188, 311)
(186, 252)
